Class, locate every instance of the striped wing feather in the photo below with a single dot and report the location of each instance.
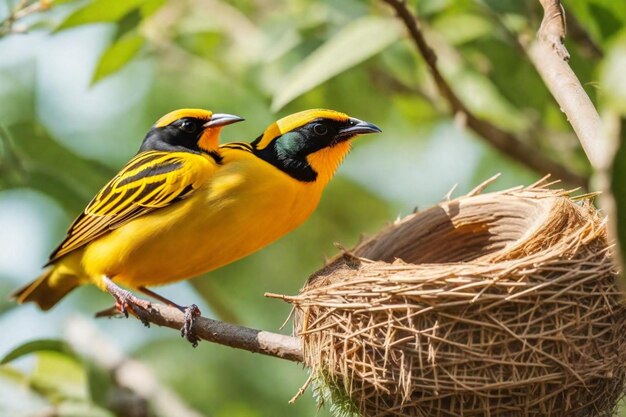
(150, 181)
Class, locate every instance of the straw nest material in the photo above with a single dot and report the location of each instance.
(499, 304)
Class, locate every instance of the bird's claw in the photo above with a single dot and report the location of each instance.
(190, 312)
(125, 301)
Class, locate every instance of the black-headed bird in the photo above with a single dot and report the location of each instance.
(183, 206)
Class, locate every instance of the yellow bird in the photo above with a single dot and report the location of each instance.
(183, 206)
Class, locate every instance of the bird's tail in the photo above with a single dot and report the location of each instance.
(47, 290)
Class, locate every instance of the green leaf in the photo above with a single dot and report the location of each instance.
(600, 18)
(202, 44)
(429, 8)
(149, 7)
(12, 374)
(59, 377)
(99, 11)
(613, 72)
(357, 42)
(610, 23)
(100, 382)
(117, 55)
(52, 345)
(460, 28)
(127, 24)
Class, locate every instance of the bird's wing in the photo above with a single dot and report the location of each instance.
(150, 181)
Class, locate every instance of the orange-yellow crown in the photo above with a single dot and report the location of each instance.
(296, 120)
(172, 116)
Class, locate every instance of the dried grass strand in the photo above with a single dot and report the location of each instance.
(498, 304)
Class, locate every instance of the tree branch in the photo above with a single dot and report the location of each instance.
(22, 9)
(506, 142)
(255, 341)
(549, 56)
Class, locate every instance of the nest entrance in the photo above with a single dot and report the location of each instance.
(501, 304)
(460, 232)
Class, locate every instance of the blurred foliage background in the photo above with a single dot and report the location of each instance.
(82, 81)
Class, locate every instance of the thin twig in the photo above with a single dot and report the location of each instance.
(506, 142)
(553, 27)
(549, 56)
(22, 9)
(252, 340)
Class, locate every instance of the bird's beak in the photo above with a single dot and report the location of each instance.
(222, 119)
(358, 127)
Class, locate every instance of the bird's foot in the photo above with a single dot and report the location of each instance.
(136, 305)
(191, 312)
(126, 302)
(114, 311)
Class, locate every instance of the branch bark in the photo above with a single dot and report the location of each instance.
(252, 340)
(506, 142)
(549, 56)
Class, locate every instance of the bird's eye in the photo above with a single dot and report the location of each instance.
(320, 129)
(188, 126)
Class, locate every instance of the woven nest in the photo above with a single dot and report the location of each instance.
(499, 304)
